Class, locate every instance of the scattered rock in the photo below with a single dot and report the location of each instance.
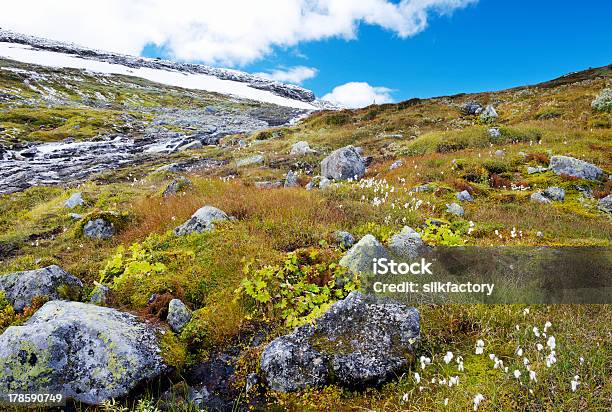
(455, 209)
(268, 185)
(176, 186)
(343, 164)
(605, 204)
(196, 144)
(534, 170)
(248, 161)
(301, 149)
(99, 229)
(179, 315)
(423, 188)
(344, 239)
(565, 165)
(539, 198)
(21, 288)
(488, 114)
(291, 180)
(500, 153)
(201, 221)
(494, 132)
(471, 109)
(360, 341)
(76, 199)
(396, 164)
(555, 193)
(99, 296)
(88, 353)
(464, 196)
(407, 244)
(324, 183)
(76, 216)
(359, 258)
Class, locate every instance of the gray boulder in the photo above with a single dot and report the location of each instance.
(301, 149)
(291, 180)
(21, 288)
(494, 132)
(344, 239)
(407, 244)
(500, 153)
(201, 221)
(176, 186)
(99, 229)
(343, 164)
(196, 144)
(455, 209)
(360, 341)
(488, 114)
(248, 161)
(538, 197)
(605, 204)
(464, 196)
(268, 185)
(565, 165)
(359, 258)
(88, 353)
(179, 315)
(75, 200)
(324, 183)
(555, 193)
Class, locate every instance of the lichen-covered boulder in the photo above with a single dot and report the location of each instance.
(471, 108)
(343, 164)
(176, 186)
(538, 197)
(20, 288)
(89, 353)
(179, 315)
(362, 340)
(249, 161)
(464, 196)
(359, 258)
(565, 165)
(99, 295)
(407, 244)
(100, 229)
(488, 114)
(201, 221)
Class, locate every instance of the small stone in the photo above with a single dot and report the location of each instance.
(191, 146)
(396, 164)
(344, 239)
(500, 153)
(176, 186)
(301, 149)
(76, 216)
(291, 180)
(423, 188)
(494, 132)
(324, 183)
(605, 204)
(464, 196)
(555, 193)
(201, 221)
(179, 315)
(268, 185)
(539, 198)
(534, 170)
(455, 209)
(75, 200)
(99, 296)
(248, 161)
(99, 229)
(539, 234)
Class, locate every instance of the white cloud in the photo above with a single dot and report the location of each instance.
(358, 94)
(228, 32)
(296, 74)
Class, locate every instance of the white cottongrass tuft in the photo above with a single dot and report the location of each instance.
(477, 399)
(479, 347)
(448, 357)
(574, 383)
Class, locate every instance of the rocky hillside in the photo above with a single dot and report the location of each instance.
(212, 253)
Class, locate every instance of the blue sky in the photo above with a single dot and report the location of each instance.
(487, 46)
(349, 51)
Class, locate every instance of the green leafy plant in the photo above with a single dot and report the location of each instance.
(299, 290)
(441, 235)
